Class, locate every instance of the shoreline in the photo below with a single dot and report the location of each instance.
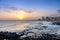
(14, 36)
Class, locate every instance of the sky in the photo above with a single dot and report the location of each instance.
(28, 9)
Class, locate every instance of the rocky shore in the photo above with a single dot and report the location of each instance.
(14, 36)
(36, 31)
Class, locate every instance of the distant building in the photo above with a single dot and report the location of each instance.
(43, 18)
(39, 19)
(48, 18)
(58, 18)
(51, 18)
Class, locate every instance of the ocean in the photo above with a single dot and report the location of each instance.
(42, 26)
(8, 25)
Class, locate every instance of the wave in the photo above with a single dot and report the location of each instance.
(39, 28)
(34, 28)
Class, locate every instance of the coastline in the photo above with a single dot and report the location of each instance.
(14, 36)
(23, 35)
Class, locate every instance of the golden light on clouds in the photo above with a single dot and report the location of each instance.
(21, 14)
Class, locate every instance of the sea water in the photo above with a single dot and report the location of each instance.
(8, 25)
(33, 26)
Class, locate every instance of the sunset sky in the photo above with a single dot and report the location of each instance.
(28, 9)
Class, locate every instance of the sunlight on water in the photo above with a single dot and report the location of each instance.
(35, 26)
(14, 25)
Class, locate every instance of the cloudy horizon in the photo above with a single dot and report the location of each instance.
(28, 10)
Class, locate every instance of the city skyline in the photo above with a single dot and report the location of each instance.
(28, 9)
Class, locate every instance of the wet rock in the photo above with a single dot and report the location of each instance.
(56, 23)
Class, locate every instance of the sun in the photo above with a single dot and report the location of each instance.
(21, 17)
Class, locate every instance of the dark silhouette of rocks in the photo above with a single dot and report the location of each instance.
(9, 36)
(14, 36)
(56, 23)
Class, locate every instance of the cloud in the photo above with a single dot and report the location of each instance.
(58, 11)
(13, 12)
(12, 8)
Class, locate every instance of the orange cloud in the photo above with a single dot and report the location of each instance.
(19, 14)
